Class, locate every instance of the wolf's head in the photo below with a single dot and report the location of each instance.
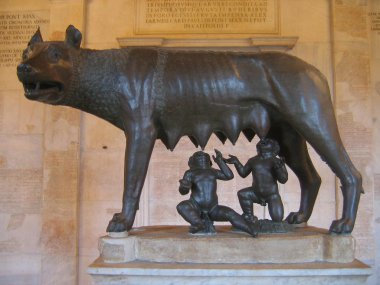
(46, 69)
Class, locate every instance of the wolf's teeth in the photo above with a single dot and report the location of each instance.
(38, 86)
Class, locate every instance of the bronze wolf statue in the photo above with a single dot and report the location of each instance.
(153, 93)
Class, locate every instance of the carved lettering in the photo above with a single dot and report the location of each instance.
(206, 16)
(375, 21)
(23, 193)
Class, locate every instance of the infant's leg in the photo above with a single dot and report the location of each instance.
(247, 197)
(275, 207)
(191, 213)
(223, 213)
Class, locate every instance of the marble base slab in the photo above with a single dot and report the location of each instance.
(163, 255)
(175, 244)
(138, 273)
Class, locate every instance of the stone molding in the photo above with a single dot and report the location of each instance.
(258, 43)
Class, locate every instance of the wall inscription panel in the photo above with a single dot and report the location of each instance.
(375, 21)
(207, 16)
(16, 28)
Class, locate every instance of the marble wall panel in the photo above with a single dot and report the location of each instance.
(119, 16)
(98, 134)
(19, 240)
(61, 128)
(314, 16)
(18, 115)
(8, 5)
(20, 269)
(21, 151)
(59, 269)
(375, 90)
(101, 212)
(64, 13)
(102, 175)
(20, 191)
(61, 175)
(345, 14)
(17, 234)
(84, 261)
(353, 100)
(59, 228)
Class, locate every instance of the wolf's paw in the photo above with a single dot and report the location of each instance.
(342, 226)
(296, 218)
(118, 223)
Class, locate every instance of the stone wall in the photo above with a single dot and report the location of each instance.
(62, 171)
(375, 95)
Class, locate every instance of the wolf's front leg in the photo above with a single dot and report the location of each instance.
(139, 148)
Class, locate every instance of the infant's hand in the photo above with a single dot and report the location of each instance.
(232, 160)
(218, 153)
(279, 163)
(218, 157)
(184, 183)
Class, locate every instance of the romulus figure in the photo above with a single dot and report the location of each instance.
(202, 208)
(266, 170)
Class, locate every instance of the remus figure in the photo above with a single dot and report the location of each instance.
(266, 170)
(202, 207)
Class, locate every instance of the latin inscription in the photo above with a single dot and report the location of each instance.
(22, 191)
(375, 21)
(206, 16)
(16, 29)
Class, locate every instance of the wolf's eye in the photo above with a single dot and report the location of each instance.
(25, 54)
(54, 54)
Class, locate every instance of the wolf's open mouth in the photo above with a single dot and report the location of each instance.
(40, 88)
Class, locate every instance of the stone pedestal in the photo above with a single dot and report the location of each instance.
(170, 255)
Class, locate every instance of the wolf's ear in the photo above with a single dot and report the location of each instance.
(36, 38)
(73, 37)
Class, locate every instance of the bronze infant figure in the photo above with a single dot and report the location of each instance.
(203, 208)
(266, 170)
(157, 93)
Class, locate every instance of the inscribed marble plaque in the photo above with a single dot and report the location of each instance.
(374, 19)
(207, 16)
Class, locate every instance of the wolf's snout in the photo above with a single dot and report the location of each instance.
(24, 68)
